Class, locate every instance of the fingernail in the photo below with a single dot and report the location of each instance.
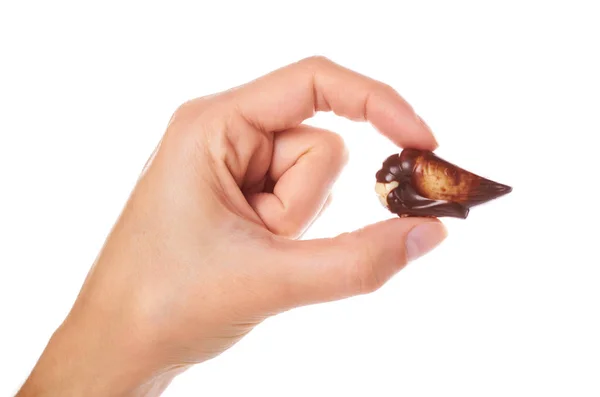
(423, 238)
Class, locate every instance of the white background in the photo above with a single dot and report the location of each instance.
(509, 305)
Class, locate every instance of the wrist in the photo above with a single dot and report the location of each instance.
(81, 359)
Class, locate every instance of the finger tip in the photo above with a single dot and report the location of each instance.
(434, 142)
(423, 238)
(418, 141)
(407, 222)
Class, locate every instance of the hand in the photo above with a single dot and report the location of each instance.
(206, 248)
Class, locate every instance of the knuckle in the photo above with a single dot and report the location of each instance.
(189, 110)
(182, 111)
(194, 119)
(388, 89)
(317, 61)
(336, 146)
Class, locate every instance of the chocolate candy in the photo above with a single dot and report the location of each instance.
(419, 183)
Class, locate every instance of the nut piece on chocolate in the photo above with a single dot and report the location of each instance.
(419, 183)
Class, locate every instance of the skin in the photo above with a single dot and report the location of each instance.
(207, 245)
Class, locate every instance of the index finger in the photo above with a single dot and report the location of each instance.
(284, 98)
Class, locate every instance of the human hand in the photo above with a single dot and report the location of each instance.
(206, 247)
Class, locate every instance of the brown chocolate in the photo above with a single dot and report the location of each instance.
(419, 183)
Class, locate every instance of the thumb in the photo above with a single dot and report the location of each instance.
(355, 263)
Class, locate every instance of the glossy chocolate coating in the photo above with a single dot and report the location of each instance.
(432, 187)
